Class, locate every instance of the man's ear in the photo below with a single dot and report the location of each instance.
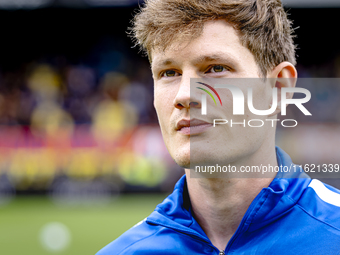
(284, 76)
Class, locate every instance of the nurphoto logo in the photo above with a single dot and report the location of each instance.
(239, 103)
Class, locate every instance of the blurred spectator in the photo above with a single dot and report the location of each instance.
(112, 117)
(49, 119)
(81, 83)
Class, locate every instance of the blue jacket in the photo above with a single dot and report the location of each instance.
(294, 215)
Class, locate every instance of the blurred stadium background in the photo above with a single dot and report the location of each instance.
(81, 155)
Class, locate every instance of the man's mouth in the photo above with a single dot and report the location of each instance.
(192, 127)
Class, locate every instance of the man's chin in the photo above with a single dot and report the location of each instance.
(182, 158)
(184, 163)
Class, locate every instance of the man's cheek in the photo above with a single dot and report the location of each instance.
(156, 103)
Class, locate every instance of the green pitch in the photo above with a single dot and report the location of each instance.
(89, 228)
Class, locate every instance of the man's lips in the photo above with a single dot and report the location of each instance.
(192, 127)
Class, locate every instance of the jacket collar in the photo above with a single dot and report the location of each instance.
(281, 195)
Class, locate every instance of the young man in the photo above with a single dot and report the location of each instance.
(280, 213)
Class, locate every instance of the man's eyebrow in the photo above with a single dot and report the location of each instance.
(215, 57)
(165, 62)
(218, 56)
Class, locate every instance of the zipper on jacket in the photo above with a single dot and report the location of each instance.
(244, 219)
(221, 252)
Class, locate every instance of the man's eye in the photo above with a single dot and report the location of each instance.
(217, 69)
(170, 73)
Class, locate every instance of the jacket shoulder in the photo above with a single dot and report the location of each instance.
(146, 238)
(141, 231)
(322, 202)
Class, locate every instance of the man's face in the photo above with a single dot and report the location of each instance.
(217, 53)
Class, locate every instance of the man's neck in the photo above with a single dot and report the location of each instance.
(219, 204)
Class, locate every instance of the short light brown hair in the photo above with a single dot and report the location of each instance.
(263, 26)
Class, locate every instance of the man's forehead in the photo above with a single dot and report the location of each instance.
(218, 38)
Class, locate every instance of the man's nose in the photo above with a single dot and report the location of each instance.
(185, 98)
